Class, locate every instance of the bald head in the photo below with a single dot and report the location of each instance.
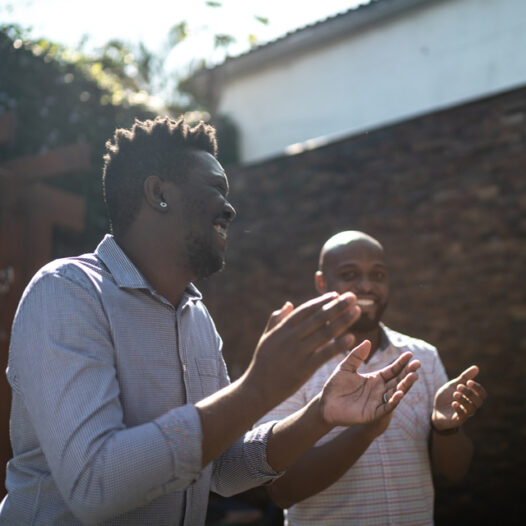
(346, 238)
(353, 261)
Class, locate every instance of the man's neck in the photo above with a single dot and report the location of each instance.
(374, 336)
(166, 277)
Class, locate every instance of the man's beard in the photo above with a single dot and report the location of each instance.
(203, 259)
(366, 324)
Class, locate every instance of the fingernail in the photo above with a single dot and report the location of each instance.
(348, 296)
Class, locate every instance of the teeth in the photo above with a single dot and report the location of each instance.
(365, 302)
(221, 231)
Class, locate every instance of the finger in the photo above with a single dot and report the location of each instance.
(338, 319)
(334, 347)
(309, 308)
(460, 411)
(401, 390)
(321, 320)
(356, 357)
(390, 405)
(468, 374)
(414, 365)
(406, 383)
(469, 395)
(279, 315)
(395, 395)
(398, 383)
(411, 367)
(394, 369)
(465, 401)
(478, 389)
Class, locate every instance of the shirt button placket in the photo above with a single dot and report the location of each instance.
(183, 358)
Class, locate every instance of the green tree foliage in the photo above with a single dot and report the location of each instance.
(60, 97)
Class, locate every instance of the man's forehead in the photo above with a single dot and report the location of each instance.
(354, 252)
(207, 165)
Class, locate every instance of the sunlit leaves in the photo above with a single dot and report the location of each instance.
(126, 71)
(223, 41)
(61, 96)
(145, 61)
(178, 33)
(262, 20)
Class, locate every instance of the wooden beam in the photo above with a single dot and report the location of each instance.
(59, 161)
(55, 206)
(7, 127)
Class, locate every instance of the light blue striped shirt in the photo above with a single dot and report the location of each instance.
(104, 373)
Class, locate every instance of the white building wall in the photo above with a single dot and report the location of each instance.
(441, 54)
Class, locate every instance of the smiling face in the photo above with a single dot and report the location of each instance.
(357, 266)
(206, 215)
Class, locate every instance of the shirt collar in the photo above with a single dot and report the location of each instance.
(126, 274)
(393, 339)
(385, 341)
(387, 351)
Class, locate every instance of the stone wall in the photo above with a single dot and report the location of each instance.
(446, 195)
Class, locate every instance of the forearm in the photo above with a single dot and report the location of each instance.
(293, 435)
(229, 413)
(451, 454)
(286, 356)
(321, 466)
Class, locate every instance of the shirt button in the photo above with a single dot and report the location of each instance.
(184, 367)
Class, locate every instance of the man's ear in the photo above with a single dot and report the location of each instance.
(319, 282)
(154, 192)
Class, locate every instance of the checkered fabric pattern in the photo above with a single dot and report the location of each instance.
(105, 373)
(391, 482)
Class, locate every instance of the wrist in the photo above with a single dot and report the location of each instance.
(255, 399)
(316, 407)
(445, 432)
(373, 430)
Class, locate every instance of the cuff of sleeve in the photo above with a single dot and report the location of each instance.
(255, 451)
(181, 428)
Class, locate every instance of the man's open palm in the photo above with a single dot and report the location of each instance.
(349, 397)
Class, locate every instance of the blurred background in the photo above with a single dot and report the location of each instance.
(402, 118)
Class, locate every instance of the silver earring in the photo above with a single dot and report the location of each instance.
(163, 204)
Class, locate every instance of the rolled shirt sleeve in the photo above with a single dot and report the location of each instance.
(244, 465)
(105, 374)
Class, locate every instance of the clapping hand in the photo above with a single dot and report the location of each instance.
(458, 400)
(349, 397)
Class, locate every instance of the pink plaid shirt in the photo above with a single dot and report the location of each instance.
(391, 482)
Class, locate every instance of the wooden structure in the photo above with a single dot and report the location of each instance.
(29, 209)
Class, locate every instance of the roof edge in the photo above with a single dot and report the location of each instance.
(319, 33)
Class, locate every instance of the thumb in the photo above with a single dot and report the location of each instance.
(278, 315)
(356, 357)
(468, 374)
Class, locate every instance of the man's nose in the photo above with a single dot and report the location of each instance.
(229, 212)
(364, 284)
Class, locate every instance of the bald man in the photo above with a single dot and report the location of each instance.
(381, 472)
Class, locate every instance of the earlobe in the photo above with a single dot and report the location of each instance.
(319, 282)
(153, 193)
